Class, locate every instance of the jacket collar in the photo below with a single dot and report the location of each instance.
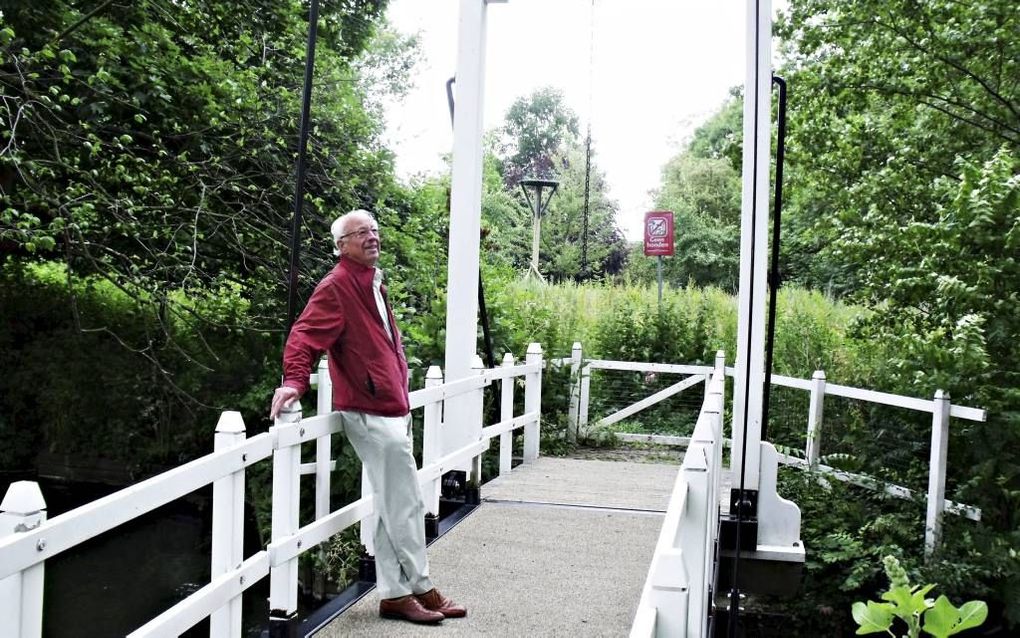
(364, 275)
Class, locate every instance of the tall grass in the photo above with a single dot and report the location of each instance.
(627, 323)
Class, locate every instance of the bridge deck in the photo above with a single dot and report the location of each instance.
(557, 547)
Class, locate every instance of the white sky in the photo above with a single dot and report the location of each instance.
(659, 69)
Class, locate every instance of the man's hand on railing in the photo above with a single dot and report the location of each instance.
(282, 397)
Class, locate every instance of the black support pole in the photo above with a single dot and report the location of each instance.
(299, 187)
(774, 279)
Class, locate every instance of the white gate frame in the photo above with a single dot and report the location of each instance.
(580, 392)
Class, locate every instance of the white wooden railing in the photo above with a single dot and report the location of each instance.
(27, 539)
(674, 600)
(939, 407)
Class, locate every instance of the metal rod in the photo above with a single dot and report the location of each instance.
(660, 282)
(299, 188)
(774, 279)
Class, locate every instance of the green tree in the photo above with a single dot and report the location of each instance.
(540, 138)
(536, 130)
(150, 149)
(885, 95)
(702, 187)
(904, 139)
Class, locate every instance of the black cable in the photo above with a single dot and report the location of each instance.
(299, 188)
(774, 279)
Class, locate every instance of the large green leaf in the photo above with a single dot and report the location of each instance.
(872, 617)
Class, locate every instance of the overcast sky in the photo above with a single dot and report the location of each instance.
(658, 69)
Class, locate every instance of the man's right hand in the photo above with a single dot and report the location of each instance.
(283, 397)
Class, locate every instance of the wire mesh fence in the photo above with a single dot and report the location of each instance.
(615, 390)
(891, 444)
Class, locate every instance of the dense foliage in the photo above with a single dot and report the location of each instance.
(579, 235)
(146, 185)
(149, 151)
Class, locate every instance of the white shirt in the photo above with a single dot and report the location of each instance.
(380, 304)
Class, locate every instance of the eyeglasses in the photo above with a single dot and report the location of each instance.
(362, 233)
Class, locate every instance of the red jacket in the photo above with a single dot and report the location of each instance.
(368, 370)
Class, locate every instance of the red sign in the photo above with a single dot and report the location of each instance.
(659, 233)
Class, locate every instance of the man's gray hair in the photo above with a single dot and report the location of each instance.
(339, 227)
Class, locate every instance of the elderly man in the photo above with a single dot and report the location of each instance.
(349, 317)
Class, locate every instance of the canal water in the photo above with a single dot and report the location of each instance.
(118, 581)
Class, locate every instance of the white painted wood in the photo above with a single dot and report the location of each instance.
(197, 606)
(62, 532)
(323, 444)
(431, 444)
(669, 594)
(752, 294)
(667, 583)
(582, 415)
(791, 382)
(312, 468)
(21, 593)
(871, 483)
(649, 401)
(814, 421)
(465, 219)
(674, 600)
(778, 518)
(533, 403)
(286, 501)
(306, 430)
(506, 413)
(474, 468)
(694, 536)
(227, 543)
(505, 427)
(896, 400)
(644, 622)
(504, 372)
(453, 460)
(937, 473)
(449, 390)
(284, 551)
(636, 366)
(574, 411)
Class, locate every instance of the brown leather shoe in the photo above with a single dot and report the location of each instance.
(408, 608)
(434, 601)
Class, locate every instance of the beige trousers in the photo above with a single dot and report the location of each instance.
(384, 446)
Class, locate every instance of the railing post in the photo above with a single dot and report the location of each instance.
(575, 392)
(228, 525)
(694, 530)
(582, 415)
(533, 403)
(506, 412)
(323, 444)
(431, 445)
(814, 420)
(283, 579)
(719, 367)
(21, 594)
(323, 463)
(475, 476)
(669, 593)
(937, 473)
